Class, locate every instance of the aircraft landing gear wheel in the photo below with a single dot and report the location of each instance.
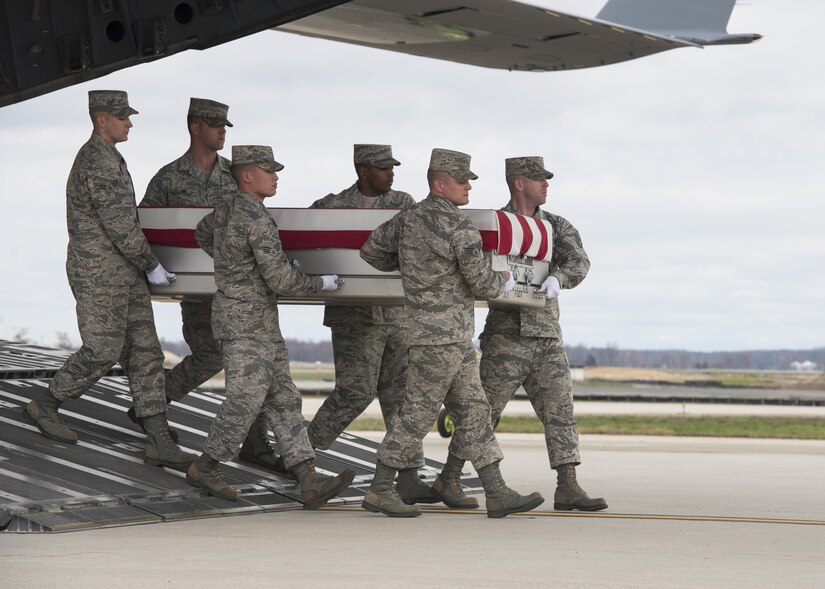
(446, 427)
(445, 424)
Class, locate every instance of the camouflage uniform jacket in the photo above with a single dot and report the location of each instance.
(442, 268)
(106, 244)
(180, 184)
(570, 265)
(376, 315)
(251, 269)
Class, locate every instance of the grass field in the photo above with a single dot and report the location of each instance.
(612, 376)
(755, 379)
(723, 426)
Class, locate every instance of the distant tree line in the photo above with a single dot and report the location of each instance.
(579, 355)
(302, 351)
(612, 355)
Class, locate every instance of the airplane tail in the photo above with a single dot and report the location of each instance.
(703, 22)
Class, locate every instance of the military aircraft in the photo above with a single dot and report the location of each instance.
(45, 46)
(50, 45)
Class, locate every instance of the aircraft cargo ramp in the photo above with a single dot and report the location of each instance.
(101, 481)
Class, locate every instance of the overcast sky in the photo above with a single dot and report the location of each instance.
(695, 176)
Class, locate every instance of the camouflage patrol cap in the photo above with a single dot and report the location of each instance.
(115, 102)
(260, 155)
(531, 167)
(379, 156)
(455, 163)
(214, 113)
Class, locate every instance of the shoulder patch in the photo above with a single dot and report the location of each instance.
(473, 250)
(104, 184)
(271, 248)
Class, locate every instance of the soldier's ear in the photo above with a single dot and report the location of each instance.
(247, 174)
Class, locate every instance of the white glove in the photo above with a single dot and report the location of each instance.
(330, 281)
(551, 286)
(160, 277)
(510, 284)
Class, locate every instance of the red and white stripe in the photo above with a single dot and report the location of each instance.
(505, 233)
(298, 228)
(524, 236)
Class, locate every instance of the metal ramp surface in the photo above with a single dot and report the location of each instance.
(47, 486)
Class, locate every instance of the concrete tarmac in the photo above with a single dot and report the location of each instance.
(684, 513)
(521, 407)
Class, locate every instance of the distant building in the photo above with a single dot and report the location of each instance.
(806, 365)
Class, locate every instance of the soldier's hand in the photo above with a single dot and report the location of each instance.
(331, 282)
(551, 286)
(160, 277)
(510, 284)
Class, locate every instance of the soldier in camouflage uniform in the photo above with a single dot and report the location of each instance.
(108, 264)
(251, 270)
(438, 252)
(202, 178)
(523, 346)
(367, 342)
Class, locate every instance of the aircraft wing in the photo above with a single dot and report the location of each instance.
(45, 46)
(511, 35)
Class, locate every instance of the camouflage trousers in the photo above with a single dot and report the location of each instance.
(205, 361)
(115, 322)
(258, 381)
(540, 365)
(369, 358)
(445, 374)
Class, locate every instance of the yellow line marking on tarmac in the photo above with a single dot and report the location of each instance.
(697, 518)
(600, 515)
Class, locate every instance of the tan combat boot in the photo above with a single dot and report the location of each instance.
(382, 498)
(569, 495)
(501, 499)
(130, 413)
(317, 489)
(42, 412)
(447, 486)
(204, 473)
(256, 448)
(412, 489)
(160, 449)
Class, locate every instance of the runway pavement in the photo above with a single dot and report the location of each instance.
(684, 512)
(519, 407)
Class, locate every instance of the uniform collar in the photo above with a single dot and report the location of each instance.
(357, 191)
(508, 208)
(441, 202)
(187, 163)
